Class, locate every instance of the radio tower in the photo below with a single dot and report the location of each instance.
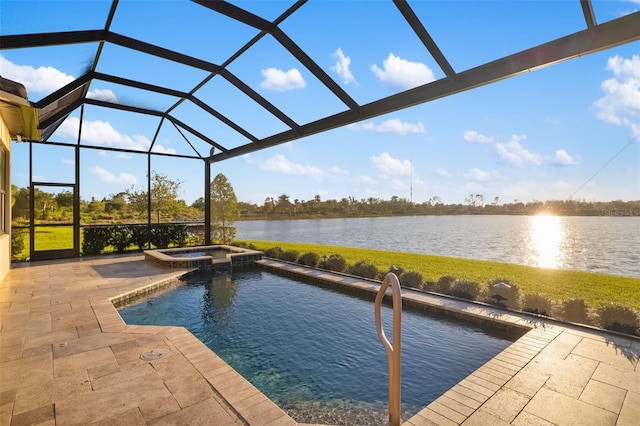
(411, 184)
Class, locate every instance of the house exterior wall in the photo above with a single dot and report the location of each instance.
(5, 229)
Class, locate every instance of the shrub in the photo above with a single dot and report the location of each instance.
(196, 235)
(274, 252)
(289, 256)
(159, 236)
(17, 241)
(620, 318)
(444, 283)
(245, 244)
(119, 237)
(429, 285)
(537, 304)
(335, 262)
(362, 268)
(179, 234)
(503, 295)
(411, 279)
(466, 289)
(575, 310)
(309, 259)
(94, 240)
(139, 236)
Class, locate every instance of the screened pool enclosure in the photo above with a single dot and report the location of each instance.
(208, 107)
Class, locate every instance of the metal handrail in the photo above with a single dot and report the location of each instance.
(393, 352)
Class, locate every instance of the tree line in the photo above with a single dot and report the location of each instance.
(132, 206)
(475, 204)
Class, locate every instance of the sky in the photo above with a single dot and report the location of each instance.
(567, 130)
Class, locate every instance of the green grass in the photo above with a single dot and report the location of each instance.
(52, 238)
(595, 289)
(47, 238)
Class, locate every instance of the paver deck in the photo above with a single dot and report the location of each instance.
(66, 357)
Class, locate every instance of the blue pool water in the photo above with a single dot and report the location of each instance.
(315, 352)
(215, 254)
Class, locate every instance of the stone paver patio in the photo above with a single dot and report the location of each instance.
(66, 357)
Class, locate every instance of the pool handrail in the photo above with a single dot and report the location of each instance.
(393, 352)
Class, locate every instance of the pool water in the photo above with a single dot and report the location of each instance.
(215, 254)
(315, 352)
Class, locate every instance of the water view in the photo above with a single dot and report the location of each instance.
(314, 351)
(607, 245)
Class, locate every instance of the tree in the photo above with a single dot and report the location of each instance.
(19, 202)
(198, 204)
(164, 196)
(44, 203)
(116, 203)
(65, 199)
(283, 200)
(268, 205)
(224, 209)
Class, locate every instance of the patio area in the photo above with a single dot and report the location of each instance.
(66, 357)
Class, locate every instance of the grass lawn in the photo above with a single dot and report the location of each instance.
(558, 285)
(47, 238)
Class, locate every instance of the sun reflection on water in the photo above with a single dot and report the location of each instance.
(546, 235)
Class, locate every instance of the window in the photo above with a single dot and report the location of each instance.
(4, 181)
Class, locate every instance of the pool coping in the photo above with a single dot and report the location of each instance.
(238, 256)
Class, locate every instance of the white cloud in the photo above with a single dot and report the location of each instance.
(103, 154)
(67, 162)
(335, 170)
(474, 137)
(106, 95)
(342, 67)
(108, 177)
(42, 80)
(161, 149)
(69, 128)
(515, 155)
(402, 73)
(620, 104)
(280, 164)
(391, 166)
(440, 172)
(393, 125)
(281, 81)
(481, 175)
(562, 157)
(123, 156)
(102, 133)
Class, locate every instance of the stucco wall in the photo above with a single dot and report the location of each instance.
(5, 239)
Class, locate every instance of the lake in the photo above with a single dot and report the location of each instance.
(606, 245)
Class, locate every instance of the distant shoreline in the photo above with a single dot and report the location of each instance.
(296, 216)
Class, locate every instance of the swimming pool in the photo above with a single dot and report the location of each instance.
(315, 351)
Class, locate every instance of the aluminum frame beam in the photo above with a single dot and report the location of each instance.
(604, 36)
